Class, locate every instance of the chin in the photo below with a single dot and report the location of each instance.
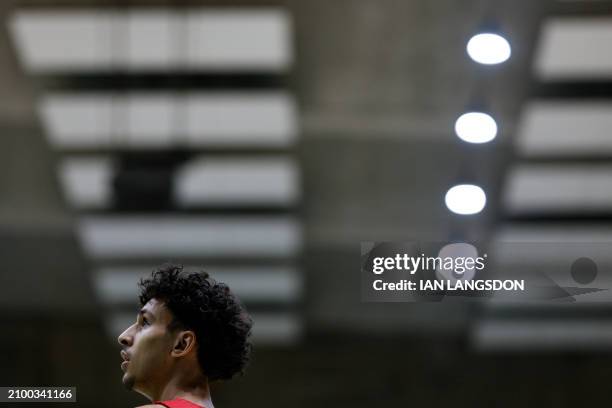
(128, 381)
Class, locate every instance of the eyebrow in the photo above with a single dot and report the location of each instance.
(142, 312)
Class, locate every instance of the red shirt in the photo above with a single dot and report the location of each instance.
(178, 403)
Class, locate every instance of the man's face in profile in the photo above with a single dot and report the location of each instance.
(146, 347)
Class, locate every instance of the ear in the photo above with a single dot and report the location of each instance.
(184, 342)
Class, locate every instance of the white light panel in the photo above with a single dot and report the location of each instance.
(51, 40)
(234, 181)
(574, 48)
(153, 120)
(277, 328)
(281, 328)
(226, 39)
(552, 233)
(229, 182)
(150, 39)
(153, 39)
(228, 119)
(552, 129)
(558, 188)
(86, 182)
(142, 236)
(119, 285)
(84, 120)
(518, 248)
(520, 335)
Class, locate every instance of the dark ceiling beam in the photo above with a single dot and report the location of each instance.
(190, 152)
(170, 209)
(577, 216)
(118, 4)
(169, 80)
(581, 8)
(573, 89)
(227, 261)
(600, 157)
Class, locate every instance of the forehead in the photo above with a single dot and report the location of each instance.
(157, 309)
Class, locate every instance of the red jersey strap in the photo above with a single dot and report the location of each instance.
(178, 403)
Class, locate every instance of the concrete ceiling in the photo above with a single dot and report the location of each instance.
(379, 83)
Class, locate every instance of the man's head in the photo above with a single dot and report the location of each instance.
(189, 325)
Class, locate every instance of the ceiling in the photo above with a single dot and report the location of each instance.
(378, 86)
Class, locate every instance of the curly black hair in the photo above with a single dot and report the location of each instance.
(218, 319)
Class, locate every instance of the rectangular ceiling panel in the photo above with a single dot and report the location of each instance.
(268, 119)
(237, 182)
(574, 48)
(119, 285)
(153, 39)
(87, 182)
(561, 129)
(557, 188)
(192, 236)
(153, 120)
(281, 328)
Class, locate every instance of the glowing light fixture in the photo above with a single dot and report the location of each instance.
(488, 48)
(465, 199)
(219, 39)
(455, 251)
(476, 127)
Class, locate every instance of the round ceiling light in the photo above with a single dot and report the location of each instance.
(465, 199)
(488, 48)
(476, 127)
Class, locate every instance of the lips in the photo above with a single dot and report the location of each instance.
(126, 360)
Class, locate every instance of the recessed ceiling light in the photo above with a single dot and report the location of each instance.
(476, 127)
(488, 48)
(465, 199)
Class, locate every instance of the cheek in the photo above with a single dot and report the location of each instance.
(151, 350)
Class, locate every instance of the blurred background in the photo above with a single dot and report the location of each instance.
(263, 141)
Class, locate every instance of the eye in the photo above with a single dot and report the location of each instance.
(142, 321)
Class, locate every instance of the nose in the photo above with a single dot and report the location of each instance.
(125, 338)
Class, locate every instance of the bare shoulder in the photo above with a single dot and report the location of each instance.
(150, 406)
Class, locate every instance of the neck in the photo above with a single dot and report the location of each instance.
(197, 392)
